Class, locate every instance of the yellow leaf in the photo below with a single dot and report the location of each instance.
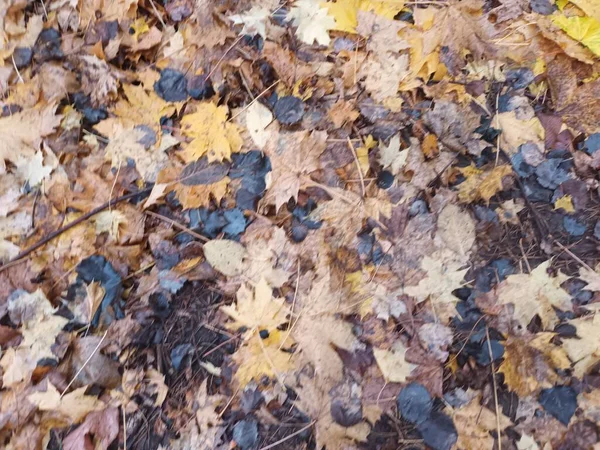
(566, 203)
(344, 13)
(481, 185)
(583, 29)
(211, 134)
(261, 357)
(530, 363)
(142, 107)
(139, 27)
(474, 423)
(197, 196)
(257, 309)
(542, 293)
(385, 8)
(362, 153)
(392, 363)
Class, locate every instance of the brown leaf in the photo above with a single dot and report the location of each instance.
(99, 370)
(285, 64)
(97, 432)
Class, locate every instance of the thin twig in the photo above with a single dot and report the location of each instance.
(70, 225)
(84, 364)
(158, 16)
(289, 436)
(253, 101)
(177, 225)
(489, 344)
(360, 174)
(223, 57)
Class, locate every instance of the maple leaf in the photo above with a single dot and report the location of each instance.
(347, 12)
(75, 405)
(39, 330)
(393, 364)
(21, 133)
(257, 309)
(474, 422)
(391, 157)
(142, 107)
(254, 21)
(584, 349)
(293, 157)
(443, 276)
(197, 196)
(382, 33)
(342, 112)
(312, 21)
(591, 277)
(211, 134)
(535, 293)
(565, 203)
(508, 210)
(530, 363)
(583, 29)
(259, 357)
(480, 184)
(33, 169)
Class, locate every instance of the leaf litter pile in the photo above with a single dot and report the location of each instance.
(344, 224)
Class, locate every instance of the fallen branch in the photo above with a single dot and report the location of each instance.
(67, 227)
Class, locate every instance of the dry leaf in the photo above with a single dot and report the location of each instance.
(583, 350)
(258, 117)
(75, 405)
(225, 256)
(312, 21)
(480, 184)
(392, 363)
(543, 294)
(456, 230)
(474, 422)
(211, 134)
(259, 357)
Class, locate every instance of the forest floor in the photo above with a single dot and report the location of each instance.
(351, 224)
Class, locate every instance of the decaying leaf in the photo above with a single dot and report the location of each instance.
(392, 363)
(480, 184)
(225, 256)
(474, 423)
(263, 357)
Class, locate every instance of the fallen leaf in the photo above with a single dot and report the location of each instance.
(211, 134)
(75, 405)
(342, 112)
(391, 157)
(583, 29)
(516, 132)
(102, 425)
(142, 107)
(480, 184)
(254, 21)
(312, 21)
(258, 117)
(257, 309)
(474, 422)
(456, 230)
(392, 363)
(565, 203)
(583, 349)
(542, 291)
(263, 357)
(225, 256)
(293, 157)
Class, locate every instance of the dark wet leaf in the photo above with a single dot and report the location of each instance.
(236, 222)
(83, 104)
(438, 431)
(179, 10)
(483, 358)
(98, 268)
(346, 412)
(597, 230)
(251, 398)
(385, 179)
(535, 192)
(203, 172)
(520, 78)
(172, 86)
(246, 200)
(414, 403)
(545, 7)
(251, 164)
(200, 88)
(560, 402)
(289, 110)
(245, 433)
(179, 353)
(47, 46)
(573, 227)
(22, 57)
(550, 175)
(592, 143)
(520, 165)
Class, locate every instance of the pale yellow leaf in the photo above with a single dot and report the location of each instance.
(225, 256)
(392, 363)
